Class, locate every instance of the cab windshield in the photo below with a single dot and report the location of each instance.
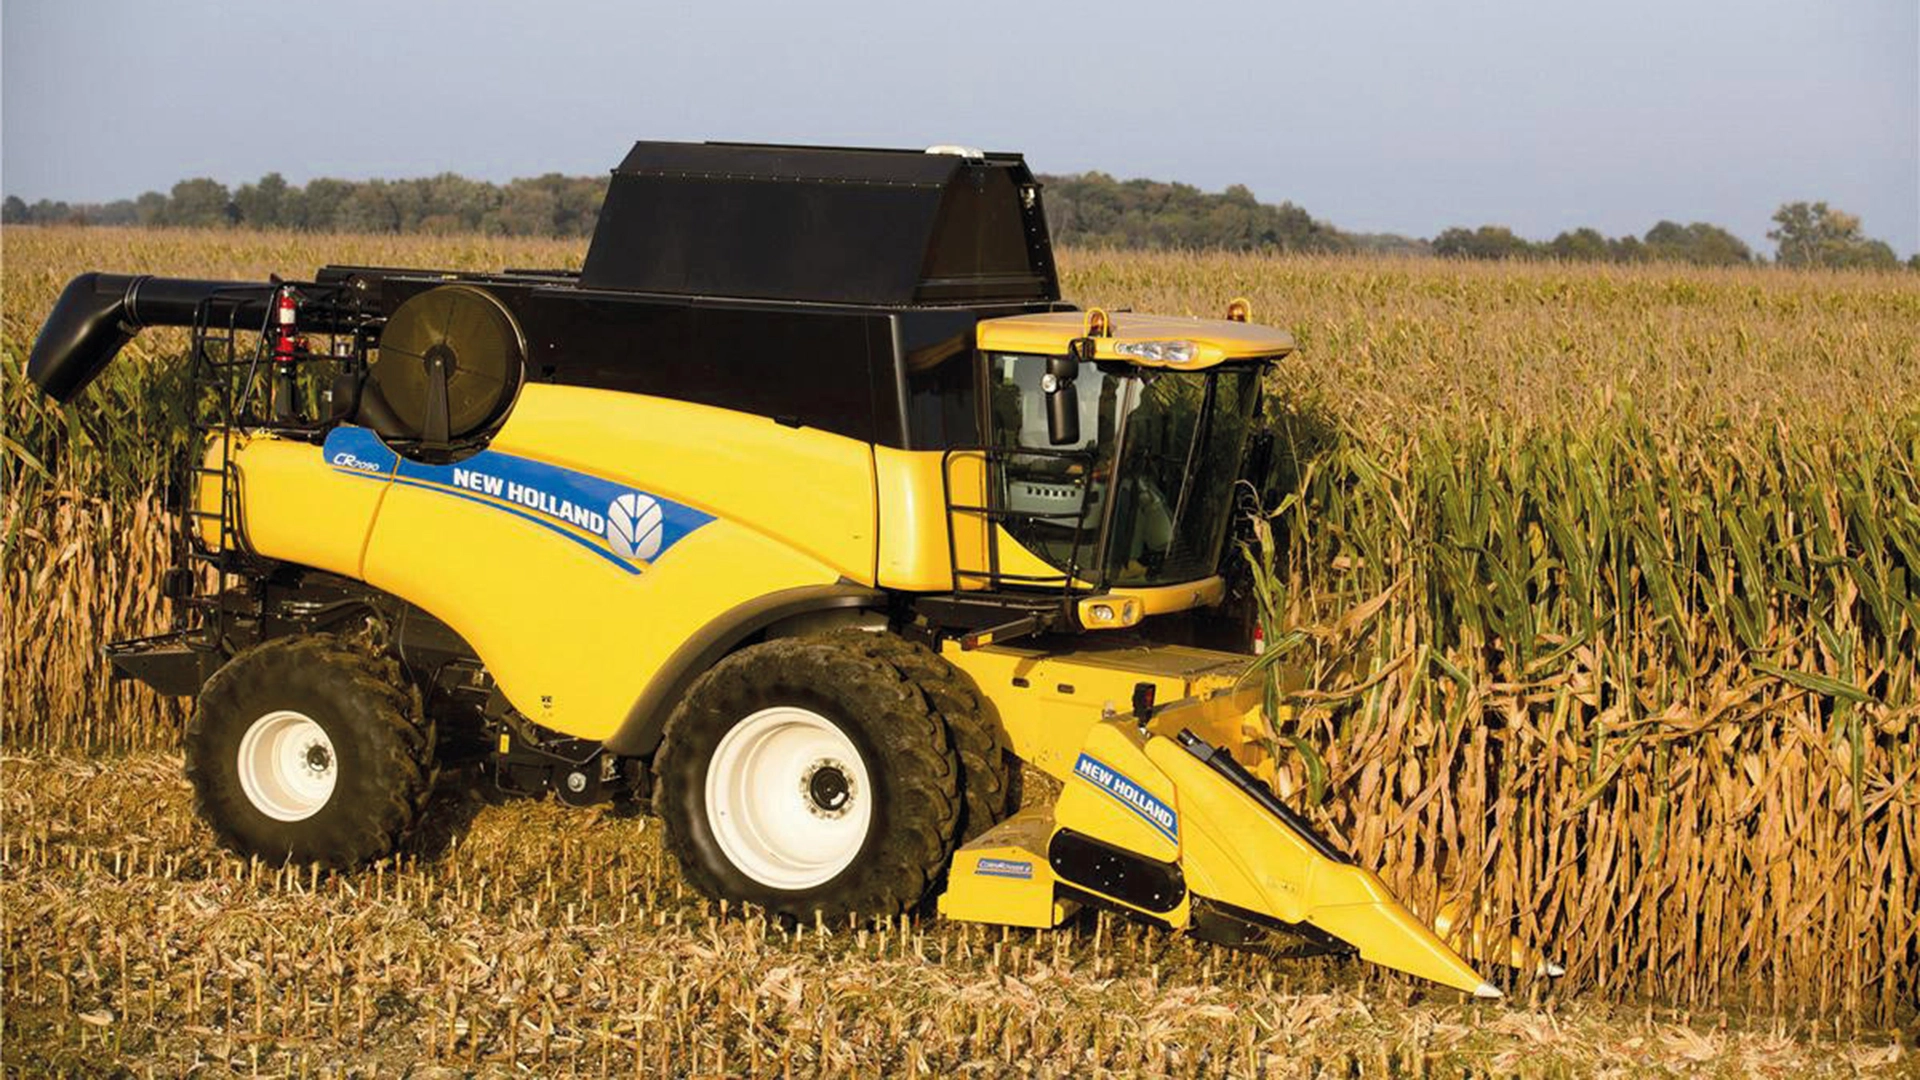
(1145, 495)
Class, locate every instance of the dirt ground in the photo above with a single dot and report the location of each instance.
(524, 938)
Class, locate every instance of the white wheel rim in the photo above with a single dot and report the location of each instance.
(287, 765)
(788, 798)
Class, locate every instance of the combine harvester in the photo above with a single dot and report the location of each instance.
(805, 509)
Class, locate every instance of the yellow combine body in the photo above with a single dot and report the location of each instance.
(820, 617)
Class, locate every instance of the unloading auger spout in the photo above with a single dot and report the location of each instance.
(98, 313)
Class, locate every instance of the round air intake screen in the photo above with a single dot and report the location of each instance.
(473, 335)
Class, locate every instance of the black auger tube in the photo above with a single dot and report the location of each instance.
(98, 313)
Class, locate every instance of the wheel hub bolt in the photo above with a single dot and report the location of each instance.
(827, 788)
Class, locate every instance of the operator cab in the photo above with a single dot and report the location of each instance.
(1115, 443)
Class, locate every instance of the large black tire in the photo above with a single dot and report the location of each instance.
(381, 755)
(902, 745)
(990, 775)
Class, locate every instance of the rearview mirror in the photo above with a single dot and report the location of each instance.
(1063, 404)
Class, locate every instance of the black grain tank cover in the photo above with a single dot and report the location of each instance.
(822, 225)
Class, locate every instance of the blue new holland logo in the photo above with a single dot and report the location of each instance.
(627, 528)
(1130, 795)
(1006, 868)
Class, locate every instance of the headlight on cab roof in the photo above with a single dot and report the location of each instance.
(1158, 352)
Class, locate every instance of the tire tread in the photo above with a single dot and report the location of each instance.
(912, 744)
(386, 707)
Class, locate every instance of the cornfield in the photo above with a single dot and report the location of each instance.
(1608, 588)
(528, 939)
(1605, 582)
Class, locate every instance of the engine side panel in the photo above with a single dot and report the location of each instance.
(800, 487)
(294, 506)
(595, 534)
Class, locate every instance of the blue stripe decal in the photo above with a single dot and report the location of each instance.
(627, 527)
(1129, 794)
(525, 516)
(1006, 868)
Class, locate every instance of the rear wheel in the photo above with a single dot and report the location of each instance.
(311, 750)
(807, 775)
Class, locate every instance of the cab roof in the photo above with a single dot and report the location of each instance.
(1216, 341)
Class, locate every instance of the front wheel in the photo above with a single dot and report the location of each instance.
(807, 775)
(311, 750)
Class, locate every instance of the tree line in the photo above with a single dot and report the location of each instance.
(1095, 209)
(1088, 209)
(551, 205)
(1807, 235)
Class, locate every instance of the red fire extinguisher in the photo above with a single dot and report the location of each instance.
(287, 344)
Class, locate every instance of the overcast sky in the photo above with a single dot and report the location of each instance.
(1376, 116)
